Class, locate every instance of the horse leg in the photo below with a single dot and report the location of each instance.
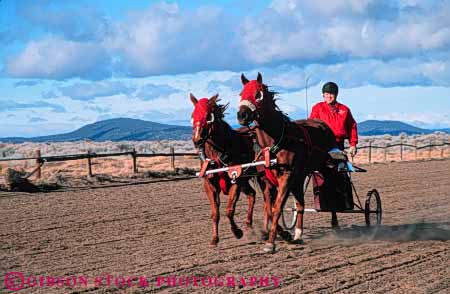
(300, 206)
(267, 193)
(248, 190)
(283, 190)
(233, 197)
(214, 200)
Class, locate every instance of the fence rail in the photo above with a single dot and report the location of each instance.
(402, 146)
(68, 157)
(40, 160)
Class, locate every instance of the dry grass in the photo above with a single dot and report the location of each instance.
(409, 153)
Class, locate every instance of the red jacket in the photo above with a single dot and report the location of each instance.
(339, 119)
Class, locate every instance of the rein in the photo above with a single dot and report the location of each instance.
(276, 148)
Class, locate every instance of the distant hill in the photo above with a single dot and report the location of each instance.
(391, 127)
(127, 129)
(117, 129)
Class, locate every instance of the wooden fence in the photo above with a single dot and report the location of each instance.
(401, 148)
(41, 160)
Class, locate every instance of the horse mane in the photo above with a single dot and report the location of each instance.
(272, 100)
(219, 110)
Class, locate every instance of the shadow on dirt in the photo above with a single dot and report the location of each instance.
(392, 233)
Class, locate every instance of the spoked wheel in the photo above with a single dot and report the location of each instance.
(372, 209)
(289, 213)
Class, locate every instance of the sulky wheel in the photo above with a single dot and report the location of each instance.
(289, 213)
(372, 209)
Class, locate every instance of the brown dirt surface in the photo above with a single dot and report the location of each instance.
(163, 229)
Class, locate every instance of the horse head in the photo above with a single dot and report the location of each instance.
(206, 112)
(253, 99)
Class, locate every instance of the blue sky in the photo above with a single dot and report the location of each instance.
(64, 64)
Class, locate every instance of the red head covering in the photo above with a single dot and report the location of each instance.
(201, 111)
(250, 90)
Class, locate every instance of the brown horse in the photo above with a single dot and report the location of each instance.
(299, 147)
(220, 145)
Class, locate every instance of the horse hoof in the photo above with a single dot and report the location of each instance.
(298, 241)
(238, 233)
(335, 226)
(264, 236)
(286, 236)
(269, 248)
(214, 242)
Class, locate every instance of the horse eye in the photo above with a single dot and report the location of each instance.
(258, 95)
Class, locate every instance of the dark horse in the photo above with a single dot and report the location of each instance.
(299, 147)
(221, 145)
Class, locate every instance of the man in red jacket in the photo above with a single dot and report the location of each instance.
(337, 116)
(340, 120)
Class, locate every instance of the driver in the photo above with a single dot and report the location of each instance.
(337, 116)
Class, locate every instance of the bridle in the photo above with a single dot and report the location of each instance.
(223, 156)
(208, 128)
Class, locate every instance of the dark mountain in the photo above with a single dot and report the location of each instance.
(391, 127)
(117, 129)
(121, 129)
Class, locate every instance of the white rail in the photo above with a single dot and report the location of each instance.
(245, 165)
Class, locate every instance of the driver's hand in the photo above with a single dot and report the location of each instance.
(352, 151)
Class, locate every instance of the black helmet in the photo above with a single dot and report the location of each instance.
(330, 87)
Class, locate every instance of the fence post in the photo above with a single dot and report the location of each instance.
(89, 164)
(172, 157)
(385, 151)
(38, 164)
(401, 149)
(370, 151)
(429, 150)
(442, 149)
(415, 149)
(133, 154)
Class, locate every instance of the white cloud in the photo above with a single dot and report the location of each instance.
(89, 91)
(164, 39)
(55, 58)
(302, 31)
(370, 48)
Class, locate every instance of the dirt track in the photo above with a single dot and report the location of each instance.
(162, 229)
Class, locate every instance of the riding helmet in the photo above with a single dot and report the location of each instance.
(330, 87)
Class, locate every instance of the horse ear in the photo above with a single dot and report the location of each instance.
(213, 99)
(193, 99)
(244, 80)
(259, 78)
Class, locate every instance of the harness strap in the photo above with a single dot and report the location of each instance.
(276, 148)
